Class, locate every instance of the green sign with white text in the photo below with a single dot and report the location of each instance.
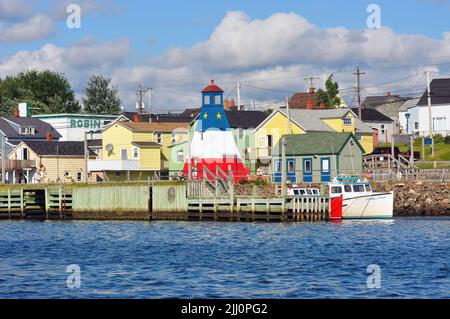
(85, 123)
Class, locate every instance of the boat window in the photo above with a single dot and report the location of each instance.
(316, 192)
(348, 188)
(296, 192)
(358, 188)
(368, 189)
(302, 192)
(308, 191)
(336, 190)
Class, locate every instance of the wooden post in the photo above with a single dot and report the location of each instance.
(9, 203)
(411, 158)
(22, 204)
(47, 203)
(423, 148)
(283, 167)
(60, 202)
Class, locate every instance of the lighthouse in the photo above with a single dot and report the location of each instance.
(213, 146)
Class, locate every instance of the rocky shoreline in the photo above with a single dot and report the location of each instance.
(413, 199)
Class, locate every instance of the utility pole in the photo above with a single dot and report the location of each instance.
(86, 155)
(358, 74)
(283, 166)
(140, 97)
(238, 90)
(3, 158)
(150, 104)
(430, 115)
(288, 116)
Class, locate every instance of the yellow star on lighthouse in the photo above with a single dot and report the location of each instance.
(219, 116)
(205, 116)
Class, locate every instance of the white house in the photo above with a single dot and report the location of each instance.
(419, 115)
(72, 126)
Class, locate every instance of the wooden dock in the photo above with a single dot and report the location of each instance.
(154, 201)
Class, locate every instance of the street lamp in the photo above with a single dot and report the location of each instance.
(407, 115)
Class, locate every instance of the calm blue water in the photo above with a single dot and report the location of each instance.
(224, 260)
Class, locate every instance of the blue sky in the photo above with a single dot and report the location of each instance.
(160, 42)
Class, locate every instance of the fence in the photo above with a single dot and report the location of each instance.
(431, 175)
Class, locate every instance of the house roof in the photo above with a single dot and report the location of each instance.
(312, 120)
(43, 148)
(315, 143)
(153, 126)
(440, 92)
(184, 117)
(95, 143)
(409, 104)
(378, 100)
(42, 128)
(146, 144)
(245, 119)
(212, 87)
(300, 99)
(372, 115)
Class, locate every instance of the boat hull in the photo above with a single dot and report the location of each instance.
(371, 206)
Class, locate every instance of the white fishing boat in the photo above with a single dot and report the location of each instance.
(360, 202)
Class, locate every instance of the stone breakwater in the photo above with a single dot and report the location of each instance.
(418, 198)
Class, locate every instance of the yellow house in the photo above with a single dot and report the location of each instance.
(269, 132)
(137, 150)
(62, 162)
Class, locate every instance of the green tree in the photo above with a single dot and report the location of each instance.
(47, 91)
(101, 96)
(330, 97)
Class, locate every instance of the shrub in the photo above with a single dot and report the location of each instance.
(447, 139)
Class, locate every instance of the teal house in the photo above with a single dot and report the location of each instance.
(317, 157)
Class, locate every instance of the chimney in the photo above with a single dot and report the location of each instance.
(312, 90)
(322, 105)
(226, 104)
(49, 137)
(136, 117)
(310, 104)
(16, 113)
(389, 93)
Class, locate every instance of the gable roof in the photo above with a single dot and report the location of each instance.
(245, 119)
(372, 115)
(43, 148)
(378, 100)
(409, 104)
(184, 117)
(42, 128)
(153, 126)
(440, 92)
(300, 99)
(316, 143)
(212, 87)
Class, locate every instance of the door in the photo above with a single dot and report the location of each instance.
(307, 170)
(325, 170)
(277, 171)
(291, 170)
(124, 154)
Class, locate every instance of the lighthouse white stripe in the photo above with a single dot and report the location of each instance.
(214, 144)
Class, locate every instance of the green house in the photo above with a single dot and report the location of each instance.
(317, 157)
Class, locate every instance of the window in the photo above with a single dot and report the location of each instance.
(368, 189)
(348, 121)
(439, 124)
(269, 140)
(24, 131)
(336, 190)
(416, 125)
(135, 153)
(79, 176)
(174, 137)
(124, 154)
(302, 192)
(326, 166)
(348, 188)
(206, 99)
(262, 141)
(241, 133)
(159, 137)
(358, 188)
(217, 100)
(25, 153)
(32, 131)
(291, 167)
(307, 167)
(180, 156)
(278, 166)
(66, 174)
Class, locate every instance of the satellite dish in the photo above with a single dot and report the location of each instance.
(109, 147)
